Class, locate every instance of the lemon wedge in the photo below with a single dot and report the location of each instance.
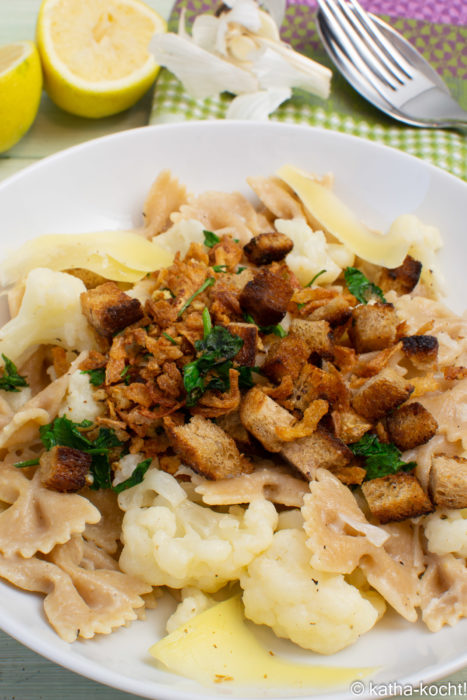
(95, 53)
(217, 646)
(20, 91)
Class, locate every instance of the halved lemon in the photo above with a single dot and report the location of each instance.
(20, 90)
(95, 53)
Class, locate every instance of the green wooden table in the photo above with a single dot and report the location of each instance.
(23, 674)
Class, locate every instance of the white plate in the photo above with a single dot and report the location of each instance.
(102, 184)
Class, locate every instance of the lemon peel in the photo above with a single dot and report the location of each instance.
(95, 53)
(20, 90)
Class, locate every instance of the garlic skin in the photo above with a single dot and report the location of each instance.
(240, 52)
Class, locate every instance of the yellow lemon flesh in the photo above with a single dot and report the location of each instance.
(95, 53)
(20, 91)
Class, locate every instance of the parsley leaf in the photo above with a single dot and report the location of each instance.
(136, 478)
(96, 376)
(217, 350)
(63, 431)
(207, 283)
(10, 379)
(361, 287)
(210, 239)
(245, 380)
(379, 458)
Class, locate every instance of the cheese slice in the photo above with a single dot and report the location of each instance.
(122, 256)
(217, 646)
(328, 213)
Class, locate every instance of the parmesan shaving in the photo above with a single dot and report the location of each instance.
(122, 256)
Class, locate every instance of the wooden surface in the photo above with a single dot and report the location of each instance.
(23, 674)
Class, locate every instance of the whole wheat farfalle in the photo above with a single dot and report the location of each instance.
(340, 539)
(85, 593)
(23, 427)
(443, 591)
(35, 519)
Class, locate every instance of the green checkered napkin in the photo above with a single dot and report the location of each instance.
(345, 110)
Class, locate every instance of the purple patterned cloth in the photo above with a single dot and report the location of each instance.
(443, 11)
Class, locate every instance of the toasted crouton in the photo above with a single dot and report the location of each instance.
(349, 426)
(286, 357)
(319, 450)
(396, 497)
(109, 310)
(64, 468)
(402, 279)
(374, 327)
(261, 415)
(206, 448)
(266, 297)
(335, 312)
(350, 475)
(421, 350)
(410, 425)
(248, 332)
(448, 481)
(233, 426)
(267, 248)
(381, 394)
(315, 383)
(315, 334)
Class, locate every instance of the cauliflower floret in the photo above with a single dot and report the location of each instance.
(79, 403)
(316, 610)
(193, 603)
(179, 237)
(312, 253)
(446, 532)
(50, 312)
(168, 540)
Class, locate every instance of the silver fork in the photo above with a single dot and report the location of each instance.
(385, 68)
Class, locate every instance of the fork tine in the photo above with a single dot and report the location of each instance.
(357, 50)
(388, 49)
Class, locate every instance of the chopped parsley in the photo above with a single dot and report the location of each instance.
(136, 477)
(361, 287)
(124, 374)
(210, 239)
(207, 283)
(27, 463)
(96, 376)
(318, 274)
(216, 352)
(277, 329)
(63, 431)
(379, 458)
(220, 268)
(10, 379)
(240, 269)
(169, 337)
